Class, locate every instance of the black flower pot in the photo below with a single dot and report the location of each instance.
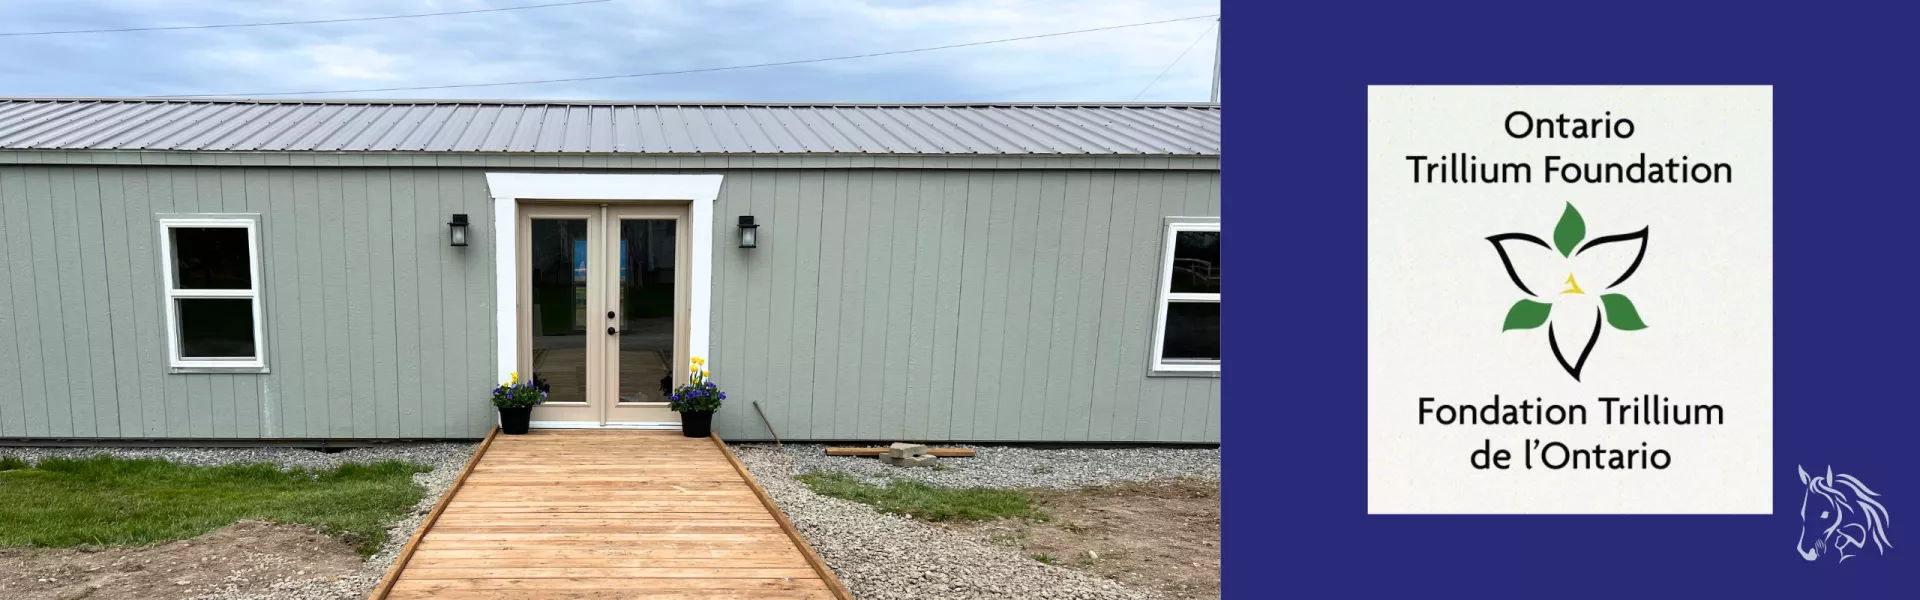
(513, 421)
(696, 424)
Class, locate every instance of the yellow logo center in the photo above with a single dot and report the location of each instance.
(1573, 287)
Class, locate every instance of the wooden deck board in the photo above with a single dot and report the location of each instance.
(608, 514)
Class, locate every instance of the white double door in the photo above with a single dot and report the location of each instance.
(603, 301)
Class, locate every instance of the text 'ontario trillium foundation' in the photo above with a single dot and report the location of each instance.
(1560, 281)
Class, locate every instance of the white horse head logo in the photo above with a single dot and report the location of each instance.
(1842, 514)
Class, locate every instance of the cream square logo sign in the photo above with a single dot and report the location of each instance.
(1569, 300)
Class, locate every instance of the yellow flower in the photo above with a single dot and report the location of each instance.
(513, 377)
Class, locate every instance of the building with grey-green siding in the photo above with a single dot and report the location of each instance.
(292, 270)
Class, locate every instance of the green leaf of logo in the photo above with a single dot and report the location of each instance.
(1620, 313)
(1527, 314)
(1570, 231)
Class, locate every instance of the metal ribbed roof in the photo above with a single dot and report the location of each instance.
(549, 127)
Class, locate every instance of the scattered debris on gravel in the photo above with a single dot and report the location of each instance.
(1162, 536)
(1017, 467)
(255, 561)
(865, 547)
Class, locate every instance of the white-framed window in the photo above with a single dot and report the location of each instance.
(1186, 330)
(210, 276)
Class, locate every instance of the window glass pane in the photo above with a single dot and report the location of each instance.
(647, 363)
(1193, 331)
(210, 258)
(216, 327)
(1196, 262)
(558, 278)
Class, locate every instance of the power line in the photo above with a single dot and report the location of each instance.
(1176, 61)
(387, 18)
(687, 71)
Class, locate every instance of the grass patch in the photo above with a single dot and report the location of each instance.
(1046, 558)
(113, 502)
(926, 502)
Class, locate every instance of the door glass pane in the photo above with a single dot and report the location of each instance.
(646, 357)
(558, 282)
(1193, 331)
(215, 327)
(1196, 262)
(210, 258)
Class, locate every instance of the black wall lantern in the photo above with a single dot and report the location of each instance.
(457, 229)
(749, 236)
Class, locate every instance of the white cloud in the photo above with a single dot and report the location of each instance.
(621, 37)
(350, 62)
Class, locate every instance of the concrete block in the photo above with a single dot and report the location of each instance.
(903, 450)
(888, 460)
(924, 460)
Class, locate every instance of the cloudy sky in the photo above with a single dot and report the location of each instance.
(611, 38)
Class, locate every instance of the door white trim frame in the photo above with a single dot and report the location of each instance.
(508, 189)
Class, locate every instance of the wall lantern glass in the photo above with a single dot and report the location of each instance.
(749, 236)
(457, 229)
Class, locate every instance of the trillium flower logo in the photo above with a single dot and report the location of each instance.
(1561, 290)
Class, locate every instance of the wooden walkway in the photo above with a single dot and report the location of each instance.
(607, 514)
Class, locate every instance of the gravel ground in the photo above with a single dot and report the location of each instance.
(445, 459)
(1015, 467)
(865, 547)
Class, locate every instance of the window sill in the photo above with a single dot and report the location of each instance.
(189, 370)
(1210, 373)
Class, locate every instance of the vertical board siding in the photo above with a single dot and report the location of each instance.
(783, 249)
(377, 245)
(312, 357)
(1140, 397)
(55, 405)
(1062, 347)
(925, 276)
(1095, 200)
(874, 403)
(829, 306)
(338, 377)
(14, 392)
(351, 260)
(993, 318)
(760, 297)
(359, 314)
(143, 264)
(896, 405)
(408, 344)
(1016, 391)
(97, 310)
(936, 304)
(122, 330)
(849, 405)
(951, 229)
(798, 420)
(1121, 251)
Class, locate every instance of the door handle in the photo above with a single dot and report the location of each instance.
(609, 314)
(613, 331)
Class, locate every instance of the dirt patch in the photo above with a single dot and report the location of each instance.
(1162, 536)
(243, 559)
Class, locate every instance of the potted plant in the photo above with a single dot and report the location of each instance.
(696, 401)
(516, 401)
